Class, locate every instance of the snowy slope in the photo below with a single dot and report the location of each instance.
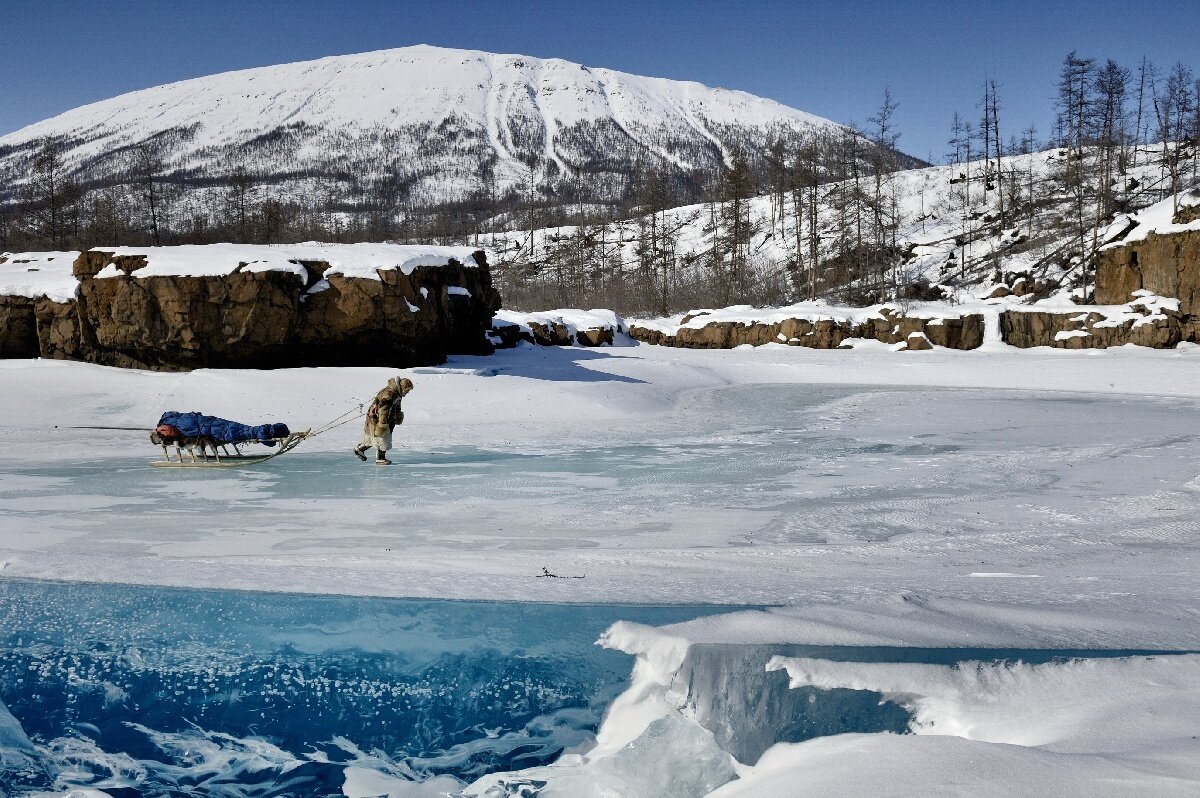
(447, 110)
(949, 231)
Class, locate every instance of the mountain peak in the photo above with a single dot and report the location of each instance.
(423, 120)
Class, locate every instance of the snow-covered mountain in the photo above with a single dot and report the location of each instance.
(419, 124)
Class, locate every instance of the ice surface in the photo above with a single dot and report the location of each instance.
(813, 492)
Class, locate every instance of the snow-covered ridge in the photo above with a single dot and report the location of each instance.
(49, 274)
(364, 261)
(38, 274)
(432, 82)
(1158, 218)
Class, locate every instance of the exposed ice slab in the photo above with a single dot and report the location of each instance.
(160, 689)
(1071, 715)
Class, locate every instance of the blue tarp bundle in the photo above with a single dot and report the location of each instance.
(194, 425)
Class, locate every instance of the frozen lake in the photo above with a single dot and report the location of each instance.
(760, 493)
(923, 528)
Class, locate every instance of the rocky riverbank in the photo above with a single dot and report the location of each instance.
(814, 328)
(227, 306)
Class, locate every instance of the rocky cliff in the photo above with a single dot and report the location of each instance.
(18, 327)
(1156, 250)
(259, 307)
(37, 305)
(1148, 320)
(1166, 264)
(817, 330)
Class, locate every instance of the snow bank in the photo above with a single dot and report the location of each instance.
(1157, 218)
(1097, 726)
(996, 701)
(943, 700)
(813, 311)
(904, 765)
(38, 274)
(572, 318)
(1061, 723)
(349, 260)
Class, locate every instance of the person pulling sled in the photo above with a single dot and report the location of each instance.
(383, 415)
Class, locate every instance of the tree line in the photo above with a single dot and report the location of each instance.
(837, 200)
(417, 182)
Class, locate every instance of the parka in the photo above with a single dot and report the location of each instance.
(384, 412)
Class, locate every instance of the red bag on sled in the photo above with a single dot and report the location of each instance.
(168, 433)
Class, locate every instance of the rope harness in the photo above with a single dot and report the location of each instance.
(358, 411)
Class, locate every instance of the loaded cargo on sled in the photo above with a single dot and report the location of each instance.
(213, 436)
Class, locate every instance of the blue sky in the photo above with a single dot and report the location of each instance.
(829, 58)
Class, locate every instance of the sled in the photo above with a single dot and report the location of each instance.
(216, 460)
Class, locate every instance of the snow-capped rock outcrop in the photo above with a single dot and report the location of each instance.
(816, 327)
(558, 328)
(238, 306)
(1147, 320)
(1156, 250)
